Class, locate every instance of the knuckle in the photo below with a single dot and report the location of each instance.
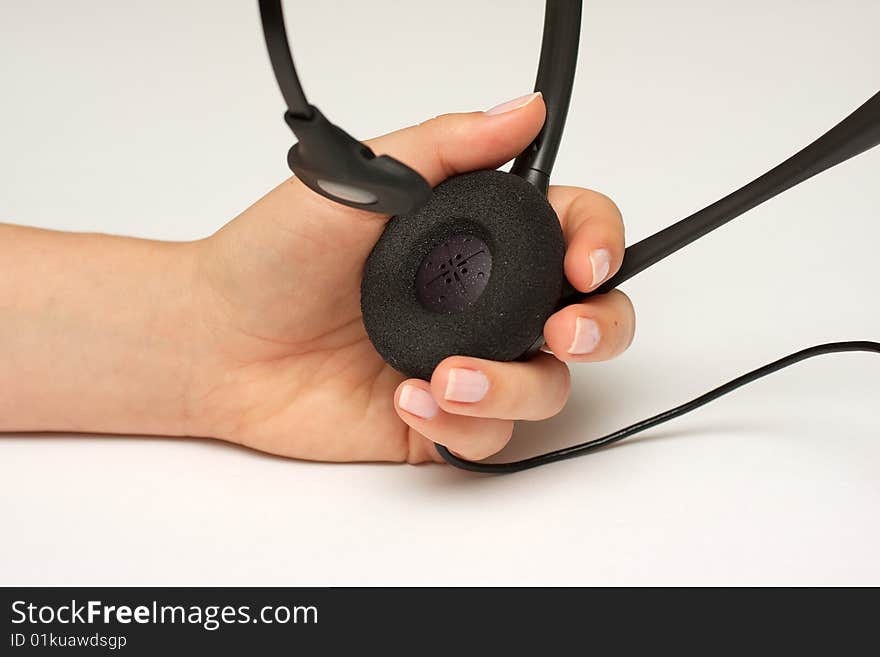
(477, 450)
(503, 397)
(612, 212)
(499, 439)
(608, 203)
(629, 309)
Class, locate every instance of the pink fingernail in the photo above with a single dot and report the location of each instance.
(586, 336)
(511, 105)
(600, 260)
(418, 402)
(466, 385)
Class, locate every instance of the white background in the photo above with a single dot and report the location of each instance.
(162, 119)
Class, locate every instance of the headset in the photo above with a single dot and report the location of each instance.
(475, 265)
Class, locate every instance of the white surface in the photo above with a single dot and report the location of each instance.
(162, 119)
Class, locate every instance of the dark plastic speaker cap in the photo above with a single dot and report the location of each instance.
(454, 274)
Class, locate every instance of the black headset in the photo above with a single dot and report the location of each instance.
(475, 266)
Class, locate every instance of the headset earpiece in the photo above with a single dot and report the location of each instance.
(477, 271)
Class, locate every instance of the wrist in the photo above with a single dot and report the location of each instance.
(145, 348)
(97, 333)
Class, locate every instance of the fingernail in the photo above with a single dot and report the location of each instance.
(511, 105)
(466, 385)
(586, 336)
(418, 402)
(600, 259)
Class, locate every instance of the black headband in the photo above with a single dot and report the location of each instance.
(336, 165)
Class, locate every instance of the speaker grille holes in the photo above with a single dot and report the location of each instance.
(460, 268)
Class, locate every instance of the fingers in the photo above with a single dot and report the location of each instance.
(533, 390)
(593, 228)
(598, 329)
(470, 437)
(470, 403)
(456, 143)
(603, 326)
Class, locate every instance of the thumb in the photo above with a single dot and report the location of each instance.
(457, 143)
(438, 148)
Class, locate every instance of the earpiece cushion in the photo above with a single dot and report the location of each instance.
(527, 247)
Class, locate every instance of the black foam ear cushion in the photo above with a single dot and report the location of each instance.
(499, 302)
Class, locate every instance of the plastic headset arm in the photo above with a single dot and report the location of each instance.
(555, 79)
(857, 133)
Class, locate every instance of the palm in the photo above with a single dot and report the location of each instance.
(283, 327)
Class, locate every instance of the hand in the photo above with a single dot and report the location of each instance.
(280, 359)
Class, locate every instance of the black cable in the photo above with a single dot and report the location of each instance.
(282, 61)
(660, 418)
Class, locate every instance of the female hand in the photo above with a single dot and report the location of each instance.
(254, 335)
(282, 362)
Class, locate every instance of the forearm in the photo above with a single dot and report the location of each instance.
(94, 332)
